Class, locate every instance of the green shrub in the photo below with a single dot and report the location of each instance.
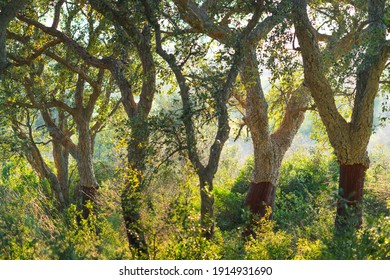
(27, 220)
(185, 240)
(309, 250)
(307, 185)
(228, 209)
(243, 179)
(376, 240)
(232, 246)
(270, 244)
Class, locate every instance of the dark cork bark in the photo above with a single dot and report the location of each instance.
(349, 203)
(259, 198)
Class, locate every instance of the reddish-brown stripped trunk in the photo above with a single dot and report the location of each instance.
(260, 197)
(349, 203)
(259, 200)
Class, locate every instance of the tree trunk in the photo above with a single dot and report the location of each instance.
(261, 194)
(34, 157)
(349, 139)
(88, 183)
(7, 12)
(131, 197)
(44, 172)
(260, 201)
(137, 115)
(260, 197)
(3, 53)
(61, 163)
(350, 198)
(269, 148)
(131, 206)
(206, 206)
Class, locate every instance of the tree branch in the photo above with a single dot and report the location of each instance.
(36, 53)
(8, 12)
(57, 13)
(71, 43)
(95, 95)
(58, 135)
(72, 68)
(294, 116)
(200, 21)
(315, 77)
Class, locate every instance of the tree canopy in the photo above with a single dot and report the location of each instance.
(122, 122)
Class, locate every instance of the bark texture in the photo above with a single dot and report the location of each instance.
(260, 196)
(269, 148)
(207, 207)
(350, 198)
(82, 152)
(131, 208)
(349, 139)
(260, 201)
(132, 193)
(35, 159)
(61, 163)
(88, 183)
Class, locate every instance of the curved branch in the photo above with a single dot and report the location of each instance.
(294, 116)
(315, 76)
(36, 53)
(72, 68)
(199, 20)
(71, 43)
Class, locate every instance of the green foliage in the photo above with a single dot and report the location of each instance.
(269, 244)
(243, 179)
(303, 225)
(31, 228)
(188, 243)
(97, 237)
(229, 209)
(309, 250)
(307, 182)
(233, 245)
(167, 200)
(180, 227)
(27, 221)
(375, 240)
(279, 95)
(228, 202)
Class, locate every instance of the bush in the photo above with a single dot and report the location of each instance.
(243, 179)
(28, 222)
(270, 244)
(228, 209)
(185, 240)
(303, 225)
(307, 186)
(309, 250)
